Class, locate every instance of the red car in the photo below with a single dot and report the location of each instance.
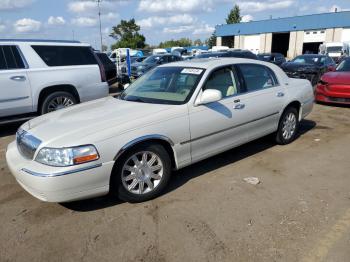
(334, 87)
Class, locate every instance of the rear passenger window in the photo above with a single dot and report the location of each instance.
(257, 77)
(10, 58)
(223, 80)
(65, 55)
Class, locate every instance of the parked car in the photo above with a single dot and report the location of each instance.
(173, 116)
(310, 67)
(334, 87)
(37, 77)
(138, 69)
(109, 68)
(275, 58)
(235, 53)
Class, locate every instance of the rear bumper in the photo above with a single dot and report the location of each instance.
(52, 184)
(324, 94)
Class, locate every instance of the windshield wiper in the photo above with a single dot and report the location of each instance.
(136, 100)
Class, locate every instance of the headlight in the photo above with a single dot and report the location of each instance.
(67, 156)
(140, 67)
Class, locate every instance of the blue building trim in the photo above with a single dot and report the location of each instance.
(287, 24)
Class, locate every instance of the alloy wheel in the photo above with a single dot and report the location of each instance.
(142, 172)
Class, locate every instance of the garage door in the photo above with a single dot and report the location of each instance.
(346, 35)
(314, 36)
(252, 43)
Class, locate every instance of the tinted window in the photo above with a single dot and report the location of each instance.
(65, 55)
(2, 60)
(10, 58)
(223, 80)
(257, 77)
(104, 59)
(344, 66)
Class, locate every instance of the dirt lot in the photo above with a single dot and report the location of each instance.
(300, 211)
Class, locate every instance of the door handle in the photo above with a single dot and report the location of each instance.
(18, 78)
(239, 106)
(280, 94)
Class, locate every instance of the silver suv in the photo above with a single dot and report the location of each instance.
(37, 77)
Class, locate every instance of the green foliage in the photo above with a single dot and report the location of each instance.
(127, 35)
(181, 42)
(234, 16)
(211, 41)
(197, 42)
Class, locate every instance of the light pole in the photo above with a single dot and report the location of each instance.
(99, 18)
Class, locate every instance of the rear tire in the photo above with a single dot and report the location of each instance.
(288, 126)
(56, 101)
(133, 179)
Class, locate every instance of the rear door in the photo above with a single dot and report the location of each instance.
(15, 92)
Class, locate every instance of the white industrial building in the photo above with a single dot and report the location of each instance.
(290, 36)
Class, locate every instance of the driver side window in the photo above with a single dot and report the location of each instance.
(224, 80)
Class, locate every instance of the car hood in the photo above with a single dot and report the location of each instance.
(71, 126)
(337, 78)
(291, 66)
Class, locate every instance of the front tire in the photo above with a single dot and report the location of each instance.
(56, 101)
(142, 173)
(288, 126)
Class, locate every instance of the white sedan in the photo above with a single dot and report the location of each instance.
(175, 115)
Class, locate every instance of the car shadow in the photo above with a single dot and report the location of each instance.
(9, 129)
(334, 105)
(186, 174)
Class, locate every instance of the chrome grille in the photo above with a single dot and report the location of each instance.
(26, 143)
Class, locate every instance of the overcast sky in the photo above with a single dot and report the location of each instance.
(159, 19)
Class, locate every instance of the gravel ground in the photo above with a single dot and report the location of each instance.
(299, 212)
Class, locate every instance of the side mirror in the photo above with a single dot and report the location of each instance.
(209, 96)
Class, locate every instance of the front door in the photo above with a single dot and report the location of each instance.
(217, 126)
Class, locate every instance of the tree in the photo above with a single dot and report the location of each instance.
(127, 35)
(198, 42)
(211, 41)
(183, 42)
(234, 16)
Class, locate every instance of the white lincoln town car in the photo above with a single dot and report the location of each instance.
(173, 116)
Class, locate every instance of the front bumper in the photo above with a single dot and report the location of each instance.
(302, 75)
(340, 96)
(56, 184)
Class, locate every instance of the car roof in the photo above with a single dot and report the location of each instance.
(42, 42)
(210, 63)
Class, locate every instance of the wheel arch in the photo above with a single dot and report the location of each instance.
(166, 142)
(56, 88)
(295, 104)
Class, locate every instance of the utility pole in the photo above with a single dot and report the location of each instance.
(99, 18)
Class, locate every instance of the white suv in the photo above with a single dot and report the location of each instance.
(37, 77)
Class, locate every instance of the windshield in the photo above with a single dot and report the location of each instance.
(344, 66)
(152, 59)
(334, 49)
(164, 85)
(309, 60)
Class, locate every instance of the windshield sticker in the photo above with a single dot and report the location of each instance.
(192, 71)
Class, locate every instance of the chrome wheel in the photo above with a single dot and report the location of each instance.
(289, 126)
(59, 102)
(142, 172)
